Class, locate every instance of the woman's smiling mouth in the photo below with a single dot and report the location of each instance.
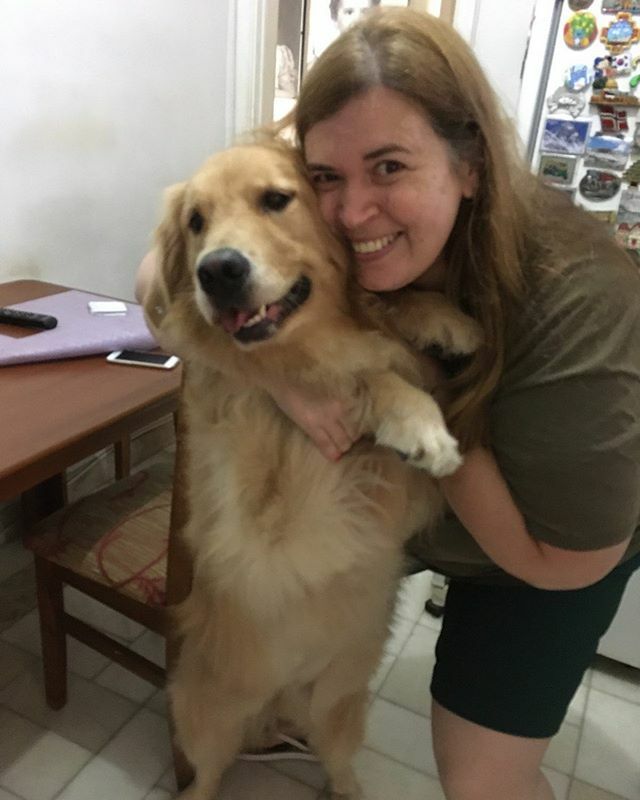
(373, 246)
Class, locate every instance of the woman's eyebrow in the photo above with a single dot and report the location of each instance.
(385, 150)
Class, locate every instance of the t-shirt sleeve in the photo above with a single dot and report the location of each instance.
(565, 423)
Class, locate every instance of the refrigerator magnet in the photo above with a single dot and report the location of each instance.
(598, 185)
(607, 151)
(628, 236)
(567, 136)
(564, 100)
(558, 169)
(613, 119)
(580, 30)
(620, 34)
(632, 174)
(629, 208)
(578, 77)
(614, 6)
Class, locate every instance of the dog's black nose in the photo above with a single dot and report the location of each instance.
(224, 276)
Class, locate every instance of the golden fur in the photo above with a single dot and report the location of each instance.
(296, 559)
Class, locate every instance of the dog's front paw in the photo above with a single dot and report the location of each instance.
(426, 444)
(455, 335)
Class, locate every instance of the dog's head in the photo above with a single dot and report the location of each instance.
(244, 240)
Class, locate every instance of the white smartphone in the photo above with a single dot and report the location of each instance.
(139, 358)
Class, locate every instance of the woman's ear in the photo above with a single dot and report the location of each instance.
(469, 180)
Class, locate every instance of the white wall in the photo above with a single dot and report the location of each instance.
(498, 33)
(102, 105)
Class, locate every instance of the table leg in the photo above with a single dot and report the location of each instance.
(43, 499)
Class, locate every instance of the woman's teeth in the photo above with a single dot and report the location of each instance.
(373, 245)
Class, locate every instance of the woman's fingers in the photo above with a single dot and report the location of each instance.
(332, 441)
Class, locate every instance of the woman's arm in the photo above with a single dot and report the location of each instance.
(480, 498)
(145, 274)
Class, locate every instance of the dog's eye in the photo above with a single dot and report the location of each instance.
(273, 200)
(196, 221)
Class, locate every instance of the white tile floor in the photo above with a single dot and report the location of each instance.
(111, 739)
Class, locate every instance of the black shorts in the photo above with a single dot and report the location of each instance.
(510, 658)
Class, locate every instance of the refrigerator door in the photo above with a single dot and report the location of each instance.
(622, 640)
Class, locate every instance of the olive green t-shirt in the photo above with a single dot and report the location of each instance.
(565, 420)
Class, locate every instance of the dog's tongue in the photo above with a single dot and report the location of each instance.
(233, 319)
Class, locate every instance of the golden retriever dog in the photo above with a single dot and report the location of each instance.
(296, 559)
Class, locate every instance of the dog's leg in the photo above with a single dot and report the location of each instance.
(213, 740)
(337, 714)
(337, 733)
(428, 318)
(409, 420)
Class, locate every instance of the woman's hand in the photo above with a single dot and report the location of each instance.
(326, 421)
(332, 423)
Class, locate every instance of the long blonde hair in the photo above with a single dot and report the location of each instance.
(429, 63)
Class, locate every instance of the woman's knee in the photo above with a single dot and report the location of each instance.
(476, 763)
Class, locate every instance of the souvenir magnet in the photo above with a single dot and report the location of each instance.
(613, 119)
(580, 30)
(613, 6)
(632, 174)
(621, 63)
(628, 236)
(598, 185)
(564, 136)
(614, 97)
(564, 100)
(629, 208)
(603, 73)
(579, 5)
(620, 34)
(578, 77)
(606, 151)
(557, 168)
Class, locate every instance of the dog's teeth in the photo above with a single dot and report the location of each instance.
(257, 317)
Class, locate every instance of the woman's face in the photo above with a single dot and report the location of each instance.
(387, 182)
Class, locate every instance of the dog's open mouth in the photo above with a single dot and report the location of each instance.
(255, 325)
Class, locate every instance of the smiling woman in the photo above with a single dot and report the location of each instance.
(417, 171)
(393, 191)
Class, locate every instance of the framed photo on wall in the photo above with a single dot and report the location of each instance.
(326, 19)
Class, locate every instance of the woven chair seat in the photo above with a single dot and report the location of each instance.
(117, 536)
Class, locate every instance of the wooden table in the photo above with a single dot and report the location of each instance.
(56, 413)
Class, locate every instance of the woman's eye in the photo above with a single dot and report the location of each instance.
(323, 179)
(388, 167)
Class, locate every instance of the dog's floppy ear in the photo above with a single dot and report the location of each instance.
(171, 244)
(171, 253)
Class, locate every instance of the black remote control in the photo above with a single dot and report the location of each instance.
(27, 319)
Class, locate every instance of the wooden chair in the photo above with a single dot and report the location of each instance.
(121, 546)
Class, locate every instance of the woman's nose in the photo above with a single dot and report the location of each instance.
(356, 206)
